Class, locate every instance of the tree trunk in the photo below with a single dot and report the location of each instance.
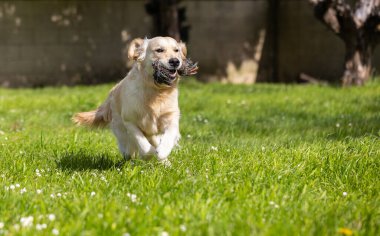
(358, 65)
(358, 27)
(165, 15)
(169, 19)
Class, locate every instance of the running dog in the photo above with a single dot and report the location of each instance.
(142, 109)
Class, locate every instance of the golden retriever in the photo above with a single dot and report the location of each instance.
(142, 109)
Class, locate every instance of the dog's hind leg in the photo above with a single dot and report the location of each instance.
(122, 139)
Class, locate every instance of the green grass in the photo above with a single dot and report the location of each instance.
(254, 160)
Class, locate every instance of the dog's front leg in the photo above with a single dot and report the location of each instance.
(169, 138)
(144, 147)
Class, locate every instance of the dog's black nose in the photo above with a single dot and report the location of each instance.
(174, 62)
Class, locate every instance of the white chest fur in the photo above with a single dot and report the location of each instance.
(148, 124)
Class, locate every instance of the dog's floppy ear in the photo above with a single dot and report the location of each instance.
(137, 49)
(182, 45)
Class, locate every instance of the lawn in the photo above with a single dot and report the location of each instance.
(253, 160)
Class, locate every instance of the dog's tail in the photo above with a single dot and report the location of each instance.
(98, 118)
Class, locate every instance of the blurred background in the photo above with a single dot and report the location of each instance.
(44, 43)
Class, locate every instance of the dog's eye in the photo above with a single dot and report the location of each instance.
(159, 50)
(176, 50)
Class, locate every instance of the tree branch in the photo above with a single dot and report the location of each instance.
(371, 26)
(335, 14)
(364, 10)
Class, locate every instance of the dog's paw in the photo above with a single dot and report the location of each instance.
(152, 151)
(163, 152)
(148, 151)
(165, 162)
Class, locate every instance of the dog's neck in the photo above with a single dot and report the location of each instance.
(160, 99)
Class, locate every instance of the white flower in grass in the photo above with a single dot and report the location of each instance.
(38, 174)
(17, 185)
(26, 221)
(12, 186)
(37, 171)
(100, 215)
(55, 231)
(126, 234)
(1, 225)
(132, 196)
(272, 203)
(213, 148)
(39, 191)
(93, 194)
(337, 125)
(52, 195)
(59, 195)
(40, 227)
(164, 233)
(16, 227)
(344, 194)
(51, 217)
(183, 228)
(23, 190)
(103, 178)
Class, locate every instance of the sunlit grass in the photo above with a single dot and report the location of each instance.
(253, 160)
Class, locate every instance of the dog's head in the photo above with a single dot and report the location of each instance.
(163, 59)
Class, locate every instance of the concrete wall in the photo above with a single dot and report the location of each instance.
(225, 32)
(66, 42)
(70, 42)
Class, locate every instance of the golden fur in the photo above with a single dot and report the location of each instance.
(143, 115)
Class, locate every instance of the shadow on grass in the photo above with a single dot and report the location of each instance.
(81, 162)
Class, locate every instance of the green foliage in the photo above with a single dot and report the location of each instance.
(253, 160)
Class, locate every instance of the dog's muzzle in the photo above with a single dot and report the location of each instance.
(166, 76)
(162, 74)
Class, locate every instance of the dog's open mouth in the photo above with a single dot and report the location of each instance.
(163, 75)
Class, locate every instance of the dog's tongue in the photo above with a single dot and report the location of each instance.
(172, 73)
